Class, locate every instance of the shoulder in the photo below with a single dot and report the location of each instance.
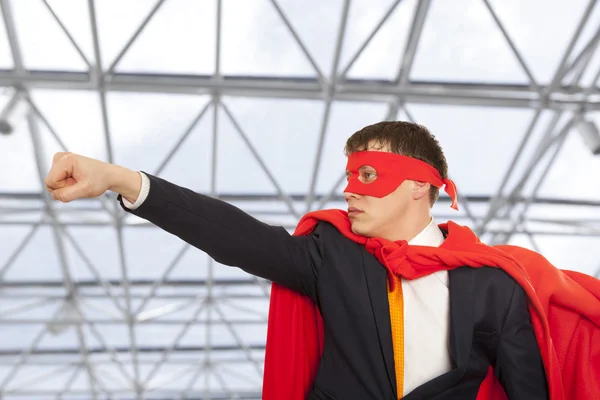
(328, 231)
(496, 298)
(493, 277)
(486, 276)
(490, 285)
(334, 241)
(495, 281)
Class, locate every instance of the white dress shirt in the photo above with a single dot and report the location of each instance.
(426, 312)
(426, 319)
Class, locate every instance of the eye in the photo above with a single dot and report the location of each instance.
(369, 176)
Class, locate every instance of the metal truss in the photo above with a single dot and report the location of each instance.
(223, 363)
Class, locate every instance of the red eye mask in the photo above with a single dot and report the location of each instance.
(393, 169)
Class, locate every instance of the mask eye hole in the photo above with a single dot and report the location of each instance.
(367, 174)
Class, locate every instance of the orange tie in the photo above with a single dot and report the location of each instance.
(397, 320)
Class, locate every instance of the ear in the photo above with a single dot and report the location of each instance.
(420, 190)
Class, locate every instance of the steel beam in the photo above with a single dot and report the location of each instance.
(64, 263)
(449, 93)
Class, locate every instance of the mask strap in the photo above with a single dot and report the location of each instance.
(450, 189)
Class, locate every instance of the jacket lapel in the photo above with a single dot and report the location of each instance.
(461, 281)
(376, 277)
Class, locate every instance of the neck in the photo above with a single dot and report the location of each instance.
(410, 226)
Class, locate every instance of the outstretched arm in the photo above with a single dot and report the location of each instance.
(231, 236)
(224, 232)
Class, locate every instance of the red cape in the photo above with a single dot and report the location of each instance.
(564, 307)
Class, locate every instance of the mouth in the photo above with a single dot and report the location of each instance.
(353, 211)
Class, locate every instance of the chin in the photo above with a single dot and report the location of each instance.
(360, 229)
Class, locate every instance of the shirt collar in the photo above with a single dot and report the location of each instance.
(431, 235)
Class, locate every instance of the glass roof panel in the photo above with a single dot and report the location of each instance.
(93, 248)
(229, 175)
(591, 72)
(115, 335)
(547, 126)
(149, 251)
(29, 309)
(40, 378)
(173, 377)
(191, 160)
(533, 24)
(492, 134)
(208, 380)
(76, 118)
(522, 240)
(195, 264)
(442, 212)
(157, 335)
(159, 311)
(21, 214)
(16, 150)
(112, 379)
(574, 171)
(470, 49)
(81, 382)
(103, 308)
(44, 45)
(564, 212)
(577, 253)
(246, 309)
(146, 127)
(319, 32)
(222, 335)
(566, 252)
(117, 22)
(586, 38)
(6, 61)
(39, 259)
(18, 336)
(63, 340)
(180, 39)
(290, 126)
(255, 41)
(5, 93)
(375, 61)
(75, 16)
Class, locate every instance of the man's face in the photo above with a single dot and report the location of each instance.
(377, 216)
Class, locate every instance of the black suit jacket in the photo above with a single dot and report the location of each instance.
(489, 318)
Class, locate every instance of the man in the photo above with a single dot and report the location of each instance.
(376, 303)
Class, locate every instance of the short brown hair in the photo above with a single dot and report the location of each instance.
(406, 138)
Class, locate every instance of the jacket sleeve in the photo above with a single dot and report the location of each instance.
(519, 366)
(233, 237)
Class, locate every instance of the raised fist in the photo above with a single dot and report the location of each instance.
(73, 177)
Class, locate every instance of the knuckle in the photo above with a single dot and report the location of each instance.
(57, 156)
(62, 155)
(64, 197)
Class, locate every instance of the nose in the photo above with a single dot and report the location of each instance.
(350, 195)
